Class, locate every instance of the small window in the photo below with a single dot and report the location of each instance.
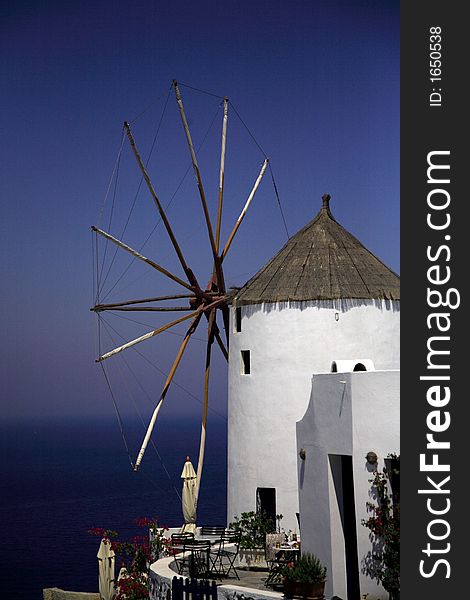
(246, 363)
(238, 319)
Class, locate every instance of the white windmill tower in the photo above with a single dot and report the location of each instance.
(323, 298)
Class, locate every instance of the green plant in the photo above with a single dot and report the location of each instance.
(383, 562)
(307, 569)
(253, 527)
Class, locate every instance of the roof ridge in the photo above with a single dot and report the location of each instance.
(356, 267)
(289, 253)
(303, 266)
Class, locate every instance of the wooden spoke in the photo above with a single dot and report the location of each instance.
(202, 445)
(217, 261)
(245, 208)
(98, 307)
(196, 168)
(189, 274)
(221, 345)
(218, 275)
(145, 308)
(221, 175)
(147, 336)
(168, 381)
(115, 305)
(220, 301)
(216, 334)
(142, 257)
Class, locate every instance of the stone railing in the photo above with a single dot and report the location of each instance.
(58, 594)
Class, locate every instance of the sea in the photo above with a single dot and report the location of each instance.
(61, 477)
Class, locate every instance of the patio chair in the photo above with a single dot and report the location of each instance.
(177, 548)
(274, 559)
(198, 552)
(273, 541)
(223, 558)
(181, 537)
(209, 531)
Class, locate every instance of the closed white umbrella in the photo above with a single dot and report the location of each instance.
(106, 560)
(188, 498)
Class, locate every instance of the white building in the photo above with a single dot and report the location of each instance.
(323, 298)
(350, 416)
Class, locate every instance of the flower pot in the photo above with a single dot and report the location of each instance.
(301, 589)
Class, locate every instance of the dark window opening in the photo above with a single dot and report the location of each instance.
(266, 503)
(359, 367)
(246, 366)
(238, 319)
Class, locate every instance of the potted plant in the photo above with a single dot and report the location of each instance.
(253, 527)
(304, 578)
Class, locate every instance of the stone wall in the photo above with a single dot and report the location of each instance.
(58, 594)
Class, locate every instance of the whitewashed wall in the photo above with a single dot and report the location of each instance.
(287, 344)
(349, 414)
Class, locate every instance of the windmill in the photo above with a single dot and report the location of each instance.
(203, 302)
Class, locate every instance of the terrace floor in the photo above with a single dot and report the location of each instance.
(251, 578)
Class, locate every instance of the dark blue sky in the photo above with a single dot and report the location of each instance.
(317, 82)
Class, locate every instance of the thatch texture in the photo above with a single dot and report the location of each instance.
(322, 261)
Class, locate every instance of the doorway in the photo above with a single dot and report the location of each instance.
(342, 474)
(266, 503)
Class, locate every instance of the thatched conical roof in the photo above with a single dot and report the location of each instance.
(322, 261)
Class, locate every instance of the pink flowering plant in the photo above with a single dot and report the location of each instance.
(158, 543)
(133, 586)
(383, 562)
(135, 555)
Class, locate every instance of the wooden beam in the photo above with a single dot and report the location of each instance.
(143, 258)
(147, 336)
(202, 444)
(245, 208)
(168, 381)
(145, 308)
(221, 174)
(99, 307)
(213, 304)
(189, 274)
(216, 333)
(196, 168)
(218, 271)
(226, 319)
(222, 345)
